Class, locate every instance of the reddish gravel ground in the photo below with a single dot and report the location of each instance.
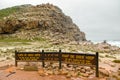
(33, 75)
(6, 74)
(28, 75)
(14, 73)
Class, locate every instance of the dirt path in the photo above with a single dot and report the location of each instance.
(27, 75)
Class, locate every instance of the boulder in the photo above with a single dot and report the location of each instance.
(104, 72)
(85, 74)
(82, 70)
(49, 72)
(64, 72)
(41, 72)
(87, 68)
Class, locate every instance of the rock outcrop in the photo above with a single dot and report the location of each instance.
(45, 20)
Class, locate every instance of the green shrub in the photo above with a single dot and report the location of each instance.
(39, 39)
(116, 61)
(30, 68)
(8, 11)
(13, 39)
(109, 56)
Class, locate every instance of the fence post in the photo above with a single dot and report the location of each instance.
(60, 59)
(97, 64)
(43, 56)
(15, 58)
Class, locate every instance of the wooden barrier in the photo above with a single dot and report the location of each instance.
(61, 57)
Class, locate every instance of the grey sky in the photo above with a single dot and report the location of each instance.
(99, 19)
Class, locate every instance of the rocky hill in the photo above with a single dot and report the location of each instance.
(45, 20)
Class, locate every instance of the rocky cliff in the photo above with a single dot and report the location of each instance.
(45, 20)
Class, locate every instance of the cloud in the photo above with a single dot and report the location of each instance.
(99, 19)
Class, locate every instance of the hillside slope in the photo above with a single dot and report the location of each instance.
(45, 20)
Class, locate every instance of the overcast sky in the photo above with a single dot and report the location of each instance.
(99, 19)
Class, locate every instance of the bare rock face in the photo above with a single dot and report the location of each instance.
(44, 20)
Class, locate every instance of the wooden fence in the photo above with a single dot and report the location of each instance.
(61, 57)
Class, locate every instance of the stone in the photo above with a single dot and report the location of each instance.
(56, 72)
(64, 65)
(10, 69)
(46, 74)
(118, 71)
(87, 68)
(112, 64)
(64, 72)
(78, 68)
(21, 68)
(68, 75)
(73, 74)
(84, 74)
(104, 72)
(49, 72)
(41, 72)
(90, 72)
(110, 78)
(82, 71)
(70, 68)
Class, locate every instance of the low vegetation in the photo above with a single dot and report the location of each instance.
(110, 56)
(39, 39)
(14, 39)
(116, 61)
(8, 11)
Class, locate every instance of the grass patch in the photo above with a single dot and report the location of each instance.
(8, 11)
(116, 61)
(14, 40)
(39, 39)
(30, 68)
(108, 56)
(24, 41)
